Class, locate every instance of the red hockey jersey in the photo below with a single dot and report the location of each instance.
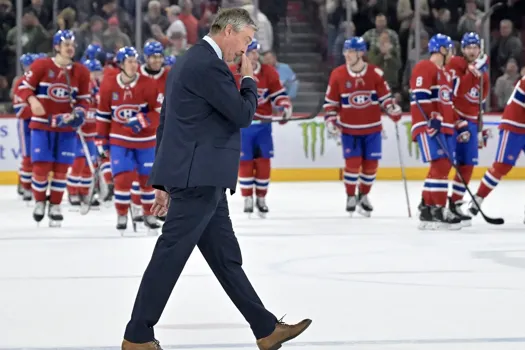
(89, 128)
(466, 88)
(357, 99)
(119, 102)
(47, 81)
(21, 107)
(271, 93)
(160, 78)
(513, 118)
(432, 87)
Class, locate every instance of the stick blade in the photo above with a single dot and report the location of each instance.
(494, 221)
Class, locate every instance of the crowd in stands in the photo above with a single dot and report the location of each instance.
(389, 28)
(387, 25)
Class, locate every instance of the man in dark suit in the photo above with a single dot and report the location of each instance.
(197, 159)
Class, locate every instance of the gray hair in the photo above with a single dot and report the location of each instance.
(238, 18)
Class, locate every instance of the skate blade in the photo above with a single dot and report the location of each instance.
(262, 215)
(466, 223)
(441, 226)
(363, 212)
(152, 232)
(427, 226)
(55, 224)
(74, 209)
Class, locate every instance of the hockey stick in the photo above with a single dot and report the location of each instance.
(493, 221)
(84, 209)
(403, 174)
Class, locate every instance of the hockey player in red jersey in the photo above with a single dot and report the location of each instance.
(127, 118)
(510, 145)
(355, 97)
(466, 73)
(23, 114)
(256, 140)
(152, 68)
(431, 90)
(57, 91)
(80, 178)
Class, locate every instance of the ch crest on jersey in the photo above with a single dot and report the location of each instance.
(58, 92)
(444, 94)
(473, 95)
(123, 113)
(360, 99)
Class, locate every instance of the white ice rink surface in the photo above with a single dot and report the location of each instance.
(368, 284)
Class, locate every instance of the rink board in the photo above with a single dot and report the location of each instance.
(303, 152)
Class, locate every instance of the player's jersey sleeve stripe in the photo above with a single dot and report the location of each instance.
(103, 116)
(422, 96)
(519, 96)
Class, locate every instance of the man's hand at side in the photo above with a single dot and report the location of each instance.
(160, 206)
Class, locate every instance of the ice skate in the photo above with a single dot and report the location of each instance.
(122, 223)
(19, 190)
(262, 208)
(137, 213)
(472, 207)
(74, 201)
(426, 221)
(39, 212)
(55, 215)
(86, 206)
(248, 205)
(152, 225)
(457, 211)
(107, 193)
(351, 204)
(445, 220)
(27, 196)
(364, 207)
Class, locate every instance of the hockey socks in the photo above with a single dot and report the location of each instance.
(435, 188)
(25, 173)
(351, 174)
(262, 176)
(122, 184)
(367, 175)
(39, 180)
(147, 194)
(492, 177)
(135, 192)
(246, 177)
(75, 176)
(458, 188)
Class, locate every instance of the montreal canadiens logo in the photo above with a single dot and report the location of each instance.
(444, 93)
(472, 95)
(124, 112)
(262, 95)
(360, 99)
(58, 93)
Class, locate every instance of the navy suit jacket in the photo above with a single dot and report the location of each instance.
(198, 139)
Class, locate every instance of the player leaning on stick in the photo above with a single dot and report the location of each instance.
(510, 145)
(57, 91)
(355, 97)
(432, 118)
(466, 73)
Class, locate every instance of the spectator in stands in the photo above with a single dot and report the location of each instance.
(177, 45)
(408, 38)
(346, 30)
(471, 20)
(111, 9)
(275, 10)
(405, 13)
(265, 33)
(205, 23)
(67, 19)
(89, 33)
(42, 12)
(381, 26)
(286, 74)
(443, 25)
(114, 38)
(176, 25)
(384, 55)
(506, 46)
(7, 21)
(190, 22)
(4, 89)
(505, 84)
(35, 38)
(154, 16)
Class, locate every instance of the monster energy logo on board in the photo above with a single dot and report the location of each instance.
(411, 146)
(314, 138)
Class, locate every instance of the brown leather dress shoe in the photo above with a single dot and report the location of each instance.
(282, 333)
(152, 345)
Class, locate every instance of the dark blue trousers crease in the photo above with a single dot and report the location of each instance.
(197, 216)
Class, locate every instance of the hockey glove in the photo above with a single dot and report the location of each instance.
(333, 129)
(483, 137)
(102, 148)
(482, 63)
(434, 124)
(286, 113)
(394, 112)
(73, 120)
(463, 132)
(138, 122)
